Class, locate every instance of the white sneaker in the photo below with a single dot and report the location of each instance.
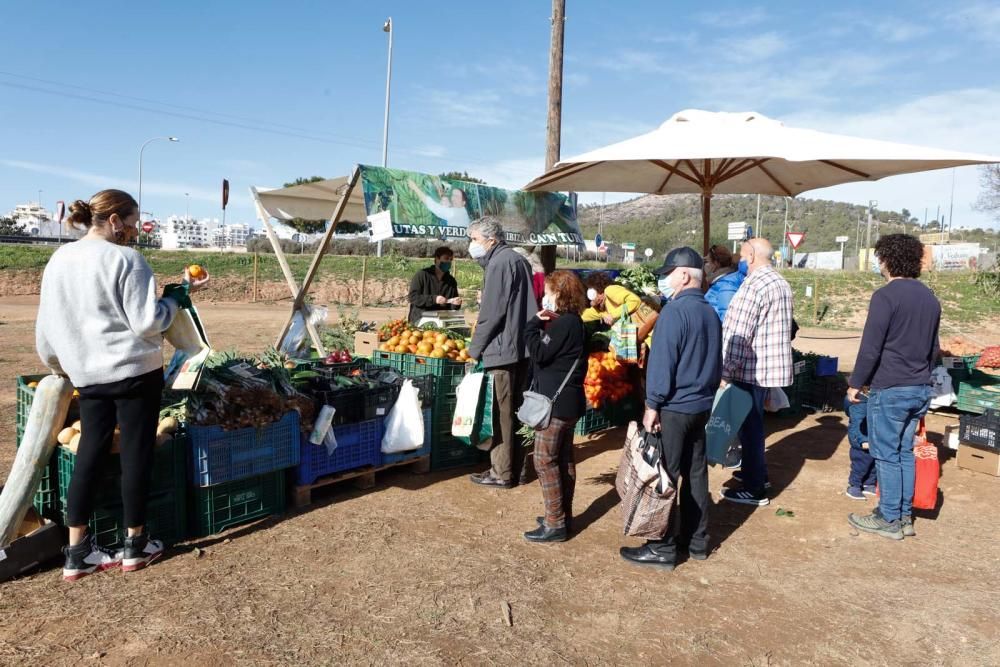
(86, 558)
(139, 552)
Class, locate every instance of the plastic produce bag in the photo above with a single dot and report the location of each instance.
(468, 396)
(296, 341)
(624, 339)
(777, 399)
(730, 410)
(942, 390)
(404, 427)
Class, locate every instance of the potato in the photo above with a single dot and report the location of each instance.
(65, 436)
(167, 425)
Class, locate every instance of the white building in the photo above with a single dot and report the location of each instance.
(178, 232)
(232, 236)
(34, 219)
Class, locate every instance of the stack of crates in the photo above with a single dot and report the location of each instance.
(981, 392)
(803, 374)
(239, 476)
(166, 515)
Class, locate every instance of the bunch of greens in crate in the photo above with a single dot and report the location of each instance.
(638, 279)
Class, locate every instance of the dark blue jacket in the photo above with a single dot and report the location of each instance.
(685, 362)
(722, 291)
(857, 422)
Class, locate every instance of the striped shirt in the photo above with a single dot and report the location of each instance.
(757, 332)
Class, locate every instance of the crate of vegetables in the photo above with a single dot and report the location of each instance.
(219, 456)
(979, 395)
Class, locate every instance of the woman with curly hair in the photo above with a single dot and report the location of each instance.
(556, 341)
(897, 356)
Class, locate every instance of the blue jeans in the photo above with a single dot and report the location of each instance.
(893, 416)
(754, 467)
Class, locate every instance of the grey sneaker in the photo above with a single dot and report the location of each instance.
(906, 524)
(875, 523)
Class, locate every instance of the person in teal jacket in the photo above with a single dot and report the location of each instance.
(723, 278)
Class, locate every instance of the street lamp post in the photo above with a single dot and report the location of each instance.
(141, 149)
(386, 27)
(187, 206)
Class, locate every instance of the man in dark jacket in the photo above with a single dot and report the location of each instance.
(684, 372)
(508, 302)
(434, 288)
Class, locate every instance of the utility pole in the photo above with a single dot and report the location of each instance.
(554, 126)
(757, 230)
(868, 235)
(951, 206)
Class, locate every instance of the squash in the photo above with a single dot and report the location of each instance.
(167, 425)
(163, 438)
(66, 435)
(74, 443)
(45, 420)
(76, 426)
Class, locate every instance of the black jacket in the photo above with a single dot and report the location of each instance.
(552, 347)
(508, 302)
(425, 287)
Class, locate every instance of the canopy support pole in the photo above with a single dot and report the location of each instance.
(300, 293)
(706, 217)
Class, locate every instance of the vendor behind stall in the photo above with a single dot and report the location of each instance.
(608, 301)
(434, 288)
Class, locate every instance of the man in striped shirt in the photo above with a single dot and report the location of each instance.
(757, 355)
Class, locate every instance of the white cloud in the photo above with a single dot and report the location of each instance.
(634, 61)
(981, 19)
(958, 120)
(96, 180)
(753, 49)
(426, 151)
(577, 79)
(473, 107)
(733, 19)
(897, 31)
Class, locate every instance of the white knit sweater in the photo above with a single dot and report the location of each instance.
(99, 319)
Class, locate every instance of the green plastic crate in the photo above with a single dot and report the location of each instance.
(169, 471)
(594, 420)
(448, 451)
(979, 395)
(47, 500)
(626, 410)
(448, 373)
(213, 509)
(166, 520)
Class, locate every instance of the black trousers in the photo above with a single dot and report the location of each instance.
(134, 406)
(684, 458)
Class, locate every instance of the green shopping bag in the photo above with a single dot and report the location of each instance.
(729, 411)
(624, 339)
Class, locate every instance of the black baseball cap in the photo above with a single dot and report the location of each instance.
(678, 257)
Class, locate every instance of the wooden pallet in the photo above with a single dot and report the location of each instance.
(364, 478)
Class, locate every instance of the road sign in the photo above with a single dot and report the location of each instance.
(60, 211)
(749, 234)
(795, 238)
(148, 226)
(598, 241)
(842, 239)
(648, 252)
(737, 231)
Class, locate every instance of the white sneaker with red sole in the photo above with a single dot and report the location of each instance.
(139, 552)
(87, 558)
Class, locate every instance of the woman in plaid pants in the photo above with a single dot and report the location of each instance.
(556, 339)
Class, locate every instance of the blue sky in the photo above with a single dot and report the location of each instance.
(262, 92)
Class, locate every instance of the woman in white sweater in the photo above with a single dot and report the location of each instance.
(101, 324)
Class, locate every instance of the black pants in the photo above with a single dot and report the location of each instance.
(684, 458)
(134, 405)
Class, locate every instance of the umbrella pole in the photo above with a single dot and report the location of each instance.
(706, 216)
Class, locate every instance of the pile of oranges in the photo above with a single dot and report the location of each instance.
(606, 380)
(426, 343)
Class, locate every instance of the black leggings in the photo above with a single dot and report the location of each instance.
(134, 405)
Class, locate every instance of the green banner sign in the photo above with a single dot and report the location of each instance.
(425, 206)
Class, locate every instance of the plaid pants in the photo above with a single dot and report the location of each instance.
(556, 470)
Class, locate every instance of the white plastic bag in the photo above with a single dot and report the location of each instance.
(776, 400)
(942, 390)
(404, 428)
(297, 339)
(467, 405)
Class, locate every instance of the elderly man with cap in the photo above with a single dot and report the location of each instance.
(685, 368)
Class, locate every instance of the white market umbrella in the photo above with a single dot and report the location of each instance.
(707, 153)
(312, 201)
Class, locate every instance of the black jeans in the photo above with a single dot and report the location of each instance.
(134, 405)
(683, 439)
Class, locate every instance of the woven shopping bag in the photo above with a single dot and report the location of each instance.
(928, 471)
(624, 339)
(647, 494)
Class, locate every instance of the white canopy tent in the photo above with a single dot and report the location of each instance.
(740, 153)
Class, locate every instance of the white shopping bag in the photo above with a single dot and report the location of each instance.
(777, 399)
(942, 390)
(404, 428)
(467, 404)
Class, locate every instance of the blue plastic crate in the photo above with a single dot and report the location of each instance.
(826, 366)
(424, 450)
(358, 445)
(219, 456)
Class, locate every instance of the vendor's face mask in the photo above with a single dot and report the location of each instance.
(445, 266)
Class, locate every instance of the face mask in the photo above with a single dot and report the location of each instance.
(126, 235)
(742, 267)
(666, 289)
(445, 266)
(591, 294)
(548, 304)
(476, 250)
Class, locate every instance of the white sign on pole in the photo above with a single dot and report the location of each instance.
(737, 230)
(842, 239)
(648, 252)
(381, 224)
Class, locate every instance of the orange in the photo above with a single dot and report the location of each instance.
(196, 272)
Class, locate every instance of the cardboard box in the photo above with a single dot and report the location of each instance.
(365, 343)
(39, 541)
(979, 459)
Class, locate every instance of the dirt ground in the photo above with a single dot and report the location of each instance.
(416, 570)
